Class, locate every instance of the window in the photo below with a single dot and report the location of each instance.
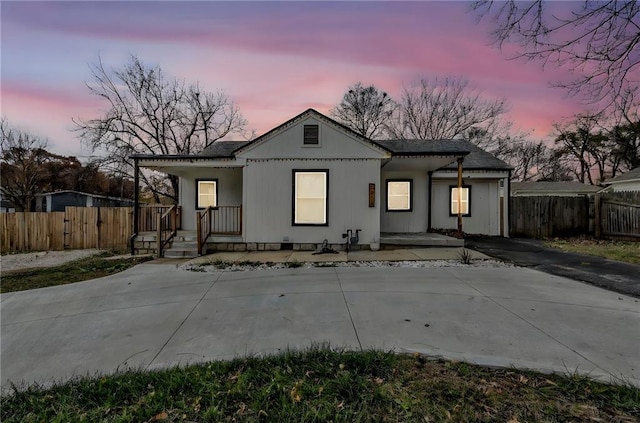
(465, 200)
(206, 193)
(310, 197)
(311, 135)
(399, 195)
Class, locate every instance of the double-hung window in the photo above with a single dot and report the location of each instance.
(310, 205)
(206, 193)
(399, 195)
(461, 202)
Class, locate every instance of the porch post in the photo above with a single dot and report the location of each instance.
(429, 188)
(460, 160)
(136, 206)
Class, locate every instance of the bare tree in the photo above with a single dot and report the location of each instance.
(535, 161)
(22, 165)
(366, 110)
(598, 42)
(150, 113)
(583, 143)
(444, 109)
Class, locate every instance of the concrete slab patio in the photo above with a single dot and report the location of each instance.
(155, 315)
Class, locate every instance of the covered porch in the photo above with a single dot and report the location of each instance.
(209, 205)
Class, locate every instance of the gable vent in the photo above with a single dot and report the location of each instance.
(311, 135)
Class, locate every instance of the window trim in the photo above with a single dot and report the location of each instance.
(306, 144)
(451, 200)
(198, 191)
(386, 187)
(293, 196)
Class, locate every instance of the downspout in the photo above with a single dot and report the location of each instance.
(136, 206)
(460, 160)
(429, 188)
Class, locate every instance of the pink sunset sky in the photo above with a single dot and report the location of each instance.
(274, 59)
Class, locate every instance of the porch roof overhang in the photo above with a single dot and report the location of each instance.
(181, 164)
(422, 161)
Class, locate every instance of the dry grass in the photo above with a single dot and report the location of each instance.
(613, 250)
(321, 385)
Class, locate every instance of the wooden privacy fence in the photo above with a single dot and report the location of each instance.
(618, 215)
(35, 231)
(614, 215)
(75, 228)
(547, 216)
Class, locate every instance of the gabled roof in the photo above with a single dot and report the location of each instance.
(554, 187)
(478, 159)
(632, 175)
(222, 149)
(317, 115)
(425, 147)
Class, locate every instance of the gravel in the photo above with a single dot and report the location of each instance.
(42, 259)
(238, 267)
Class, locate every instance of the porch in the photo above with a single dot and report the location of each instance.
(159, 229)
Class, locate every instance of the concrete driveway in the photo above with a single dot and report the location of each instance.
(155, 315)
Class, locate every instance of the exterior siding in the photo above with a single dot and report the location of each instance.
(485, 206)
(626, 186)
(333, 144)
(401, 221)
(268, 201)
(229, 190)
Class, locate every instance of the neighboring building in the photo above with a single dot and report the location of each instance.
(58, 200)
(557, 189)
(629, 181)
(5, 205)
(312, 179)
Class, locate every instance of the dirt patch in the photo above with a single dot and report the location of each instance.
(12, 262)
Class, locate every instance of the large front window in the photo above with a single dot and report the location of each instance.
(207, 193)
(310, 197)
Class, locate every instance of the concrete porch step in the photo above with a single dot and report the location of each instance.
(180, 253)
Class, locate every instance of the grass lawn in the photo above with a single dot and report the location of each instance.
(614, 250)
(75, 271)
(321, 386)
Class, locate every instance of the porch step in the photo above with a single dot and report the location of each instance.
(184, 245)
(181, 253)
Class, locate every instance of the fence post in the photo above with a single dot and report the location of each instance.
(159, 234)
(597, 204)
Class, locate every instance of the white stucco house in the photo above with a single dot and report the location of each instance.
(312, 179)
(629, 181)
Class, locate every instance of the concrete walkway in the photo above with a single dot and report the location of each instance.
(155, 315)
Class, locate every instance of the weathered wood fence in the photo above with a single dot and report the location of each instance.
(617, 215)
(75, 228)
(547, 216)
(614, 215)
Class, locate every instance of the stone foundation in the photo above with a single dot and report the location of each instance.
(148, 246)
(272, 246)
(145, 247)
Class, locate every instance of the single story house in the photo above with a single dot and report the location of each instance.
(629, 181)
(58, 200)
(554, 189)
(313, 179)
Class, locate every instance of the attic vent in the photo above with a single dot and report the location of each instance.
(311, 135)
